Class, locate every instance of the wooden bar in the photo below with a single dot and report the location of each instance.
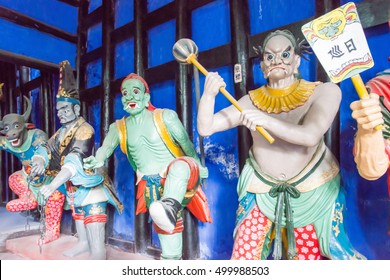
(161, 73)
(92, 56)
(31, 85)
(160, 16)
(93, 18)
(373, 12)
(107, 66)
(13, 163)
(142, 229)
(74, 3)
(107, 102)
(239, 27)
(3, 185)
(122, 33)
(80, 51)
(19, 59)
(30, 22)
(192, 5)
(184, 110)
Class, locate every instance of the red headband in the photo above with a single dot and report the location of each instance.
(139, 78)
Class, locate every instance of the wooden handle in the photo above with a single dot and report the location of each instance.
(362, 91)
(192, 59)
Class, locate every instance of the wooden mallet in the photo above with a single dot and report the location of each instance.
(185, 51)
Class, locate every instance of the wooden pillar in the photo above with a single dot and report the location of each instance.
(13, 163)
(80, 51)
(107, 64)
(184, 110)
(143, 231)
(45, 102)
(332, 136)
(107, 106)
(239, 15)
(2, 154)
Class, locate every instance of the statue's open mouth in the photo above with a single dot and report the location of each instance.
(15, 142)
(132, 105)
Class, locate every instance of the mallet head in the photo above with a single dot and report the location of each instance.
(183, 48)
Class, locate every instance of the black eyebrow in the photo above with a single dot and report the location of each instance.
(63, 107)
(288, 49)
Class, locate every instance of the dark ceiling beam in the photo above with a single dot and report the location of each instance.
(161, 15)
(122, 33)
(168, 12)
(91, 94)
(374, 12)
(74, 3)
(30, 22)
(192, 5)
(19, 59)
(92, 56)
(33, 84)
(93, 18)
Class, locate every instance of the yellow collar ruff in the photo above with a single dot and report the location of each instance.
(275, 101)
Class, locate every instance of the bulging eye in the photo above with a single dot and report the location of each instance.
(270, 57)
(285, 55)
(6, 128)
(17, 126)
(124, 93)
(67, 111)
(136, 91)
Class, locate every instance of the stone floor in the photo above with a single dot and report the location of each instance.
(18, 243)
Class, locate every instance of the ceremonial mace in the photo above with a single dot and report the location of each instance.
(185, 51)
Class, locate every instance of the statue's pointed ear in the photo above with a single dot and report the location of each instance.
(30, 125)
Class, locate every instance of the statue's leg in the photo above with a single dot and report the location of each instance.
(171, 246)
(95, 233)
(95, 222)
(164, 212)
(308, 247)
(253, 237)
(82, 243)
(26, 200)
(54, 207)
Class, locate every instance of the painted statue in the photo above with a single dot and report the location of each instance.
(288, 190)
(22, 140)
(166, 164)
(87, 193)
(372, 146)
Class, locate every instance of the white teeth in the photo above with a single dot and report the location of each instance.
(129, 105)
(15, 142)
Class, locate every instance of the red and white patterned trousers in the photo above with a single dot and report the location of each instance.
(252, 232)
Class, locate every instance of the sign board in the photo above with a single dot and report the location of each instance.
(338, 40)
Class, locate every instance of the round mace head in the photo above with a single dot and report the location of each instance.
(183, 48)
